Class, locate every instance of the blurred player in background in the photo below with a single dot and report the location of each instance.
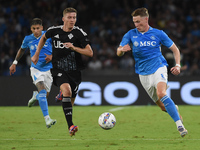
(69, 43)
(40, 73)
(145, 43)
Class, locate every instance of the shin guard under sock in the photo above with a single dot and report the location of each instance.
(170, 107)
(67, 109)
(41, 97)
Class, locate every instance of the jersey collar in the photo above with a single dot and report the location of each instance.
(39, 36)
(69, 31)
(150, 28)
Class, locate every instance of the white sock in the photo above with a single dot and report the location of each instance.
(46, 117)
(179, 123)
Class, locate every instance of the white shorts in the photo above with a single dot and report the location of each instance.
(149, 82)
(38, 76)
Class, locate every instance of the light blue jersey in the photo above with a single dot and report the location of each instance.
(31, 42)
(146, 48)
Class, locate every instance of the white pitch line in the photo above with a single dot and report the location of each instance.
(116, 109)
(134, 139)
(120, 108)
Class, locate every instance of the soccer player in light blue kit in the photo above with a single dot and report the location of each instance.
(145, 43)
(40, 72)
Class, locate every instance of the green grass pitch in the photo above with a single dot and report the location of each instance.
(137, 128)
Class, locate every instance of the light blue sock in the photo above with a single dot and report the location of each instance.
(41, 97)
(170, 107)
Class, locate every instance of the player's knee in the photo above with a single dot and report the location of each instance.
(41, 95)
(67, 94)
(161, 94)
(66, 90)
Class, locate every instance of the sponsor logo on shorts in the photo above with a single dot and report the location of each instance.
(163, 77)
(59, 74)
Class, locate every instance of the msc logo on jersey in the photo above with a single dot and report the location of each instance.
(147, 43)
(144, 43)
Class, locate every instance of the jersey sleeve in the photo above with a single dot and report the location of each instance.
(24, 43)
(126, 39)
(48, 33)
(84, 40)
(165, 40)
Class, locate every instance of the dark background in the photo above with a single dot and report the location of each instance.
(105, 21)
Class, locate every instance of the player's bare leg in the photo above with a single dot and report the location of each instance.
(170, 107)
(42, 99)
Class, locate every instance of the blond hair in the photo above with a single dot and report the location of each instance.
(142, 12)
(69, 10)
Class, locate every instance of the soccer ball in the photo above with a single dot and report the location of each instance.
(107, 121)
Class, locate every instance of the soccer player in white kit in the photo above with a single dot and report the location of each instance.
(40, 72)
(145, 43)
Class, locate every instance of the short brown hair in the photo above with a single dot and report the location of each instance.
(69, 10)
(36, 21)
(142, 12)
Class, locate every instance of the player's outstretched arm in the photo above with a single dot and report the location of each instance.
(41, 43)
(17, 58)
(122, 49)
(176, 69)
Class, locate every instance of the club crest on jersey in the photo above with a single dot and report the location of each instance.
(32, 47)
(70, 36)
(136, 44)
(153, 37)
